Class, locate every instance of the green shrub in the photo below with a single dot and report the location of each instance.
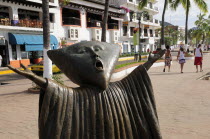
(58, 78)
(132, 54)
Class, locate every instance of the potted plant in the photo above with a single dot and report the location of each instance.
(36, 57)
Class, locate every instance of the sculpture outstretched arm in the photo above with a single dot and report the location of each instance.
(153, 58)
(30, 75)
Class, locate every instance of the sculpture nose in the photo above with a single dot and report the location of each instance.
(94, 52)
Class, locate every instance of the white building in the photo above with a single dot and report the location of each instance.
(21, 30)
(80, 20)
(149, 37)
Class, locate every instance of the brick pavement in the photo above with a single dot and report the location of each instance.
(182, 104)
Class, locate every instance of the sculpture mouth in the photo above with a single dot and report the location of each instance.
(99, 65)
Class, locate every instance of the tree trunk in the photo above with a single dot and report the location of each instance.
(105, 18)
(162, 28)
(46, 38)
(203, 38)
(186, 25)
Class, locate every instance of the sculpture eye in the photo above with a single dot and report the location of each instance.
(81, 51)
(98, 48)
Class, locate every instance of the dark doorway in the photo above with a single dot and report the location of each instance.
(5, 54)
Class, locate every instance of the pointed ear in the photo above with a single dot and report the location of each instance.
(58, 57)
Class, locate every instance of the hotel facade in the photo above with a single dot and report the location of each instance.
(80, 20)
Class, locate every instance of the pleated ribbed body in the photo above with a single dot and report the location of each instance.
(125, 110)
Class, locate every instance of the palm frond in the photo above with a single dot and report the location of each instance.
(201, 5)
(142, 4)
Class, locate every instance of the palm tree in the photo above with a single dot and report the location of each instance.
(143, 3)
(46, 38)
(105, 18)
(187, 4)
(203, 26)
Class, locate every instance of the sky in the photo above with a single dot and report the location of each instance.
(178, 17)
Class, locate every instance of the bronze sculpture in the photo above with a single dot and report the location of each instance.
(96, 109)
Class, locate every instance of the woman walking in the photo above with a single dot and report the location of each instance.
(181, 58)
(168, 59)
(198, 57)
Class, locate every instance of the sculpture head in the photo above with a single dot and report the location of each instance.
(87, 63)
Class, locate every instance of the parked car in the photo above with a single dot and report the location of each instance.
(39, 68)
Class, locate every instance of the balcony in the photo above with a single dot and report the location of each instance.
(71, 21)
(21, 23)
(113, 26)
(94, 23)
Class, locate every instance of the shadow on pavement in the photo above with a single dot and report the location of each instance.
(16, 93)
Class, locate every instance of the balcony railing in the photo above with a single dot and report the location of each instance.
(156, 35)
(145, 35)
(21, 23)
(94, 23)
(151, 35)
(151, 20)
(112, 26)
(71, 21)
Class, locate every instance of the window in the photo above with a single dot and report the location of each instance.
(52, 18)
(112, 24)
(145, 32)
(24, 54)
(125, 48)
(94, 20)
(73, 33)
(125, 30)
(70, 17)
(131, 31)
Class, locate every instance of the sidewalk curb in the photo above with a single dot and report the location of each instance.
(127, 71)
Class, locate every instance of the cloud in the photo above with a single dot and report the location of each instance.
(178, 17)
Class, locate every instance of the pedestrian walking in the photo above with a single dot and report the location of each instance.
(198, 57)
(181, 58)
(168, 59)
(0, 60)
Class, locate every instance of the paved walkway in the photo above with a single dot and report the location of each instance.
(182, 104)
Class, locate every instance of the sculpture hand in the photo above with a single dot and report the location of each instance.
(154, 57)
(30, 75)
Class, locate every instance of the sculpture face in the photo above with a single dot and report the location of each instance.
(87, 63)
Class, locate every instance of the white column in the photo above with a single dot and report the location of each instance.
(142, 33)
(83, 18)
(148, 32)
(10, 52)
(18, 51)
(129, 47)
(153, 31)
(13, 11)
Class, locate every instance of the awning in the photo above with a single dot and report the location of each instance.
(31, 42)
(115, 18)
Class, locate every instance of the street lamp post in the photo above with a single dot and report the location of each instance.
(139, 15)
